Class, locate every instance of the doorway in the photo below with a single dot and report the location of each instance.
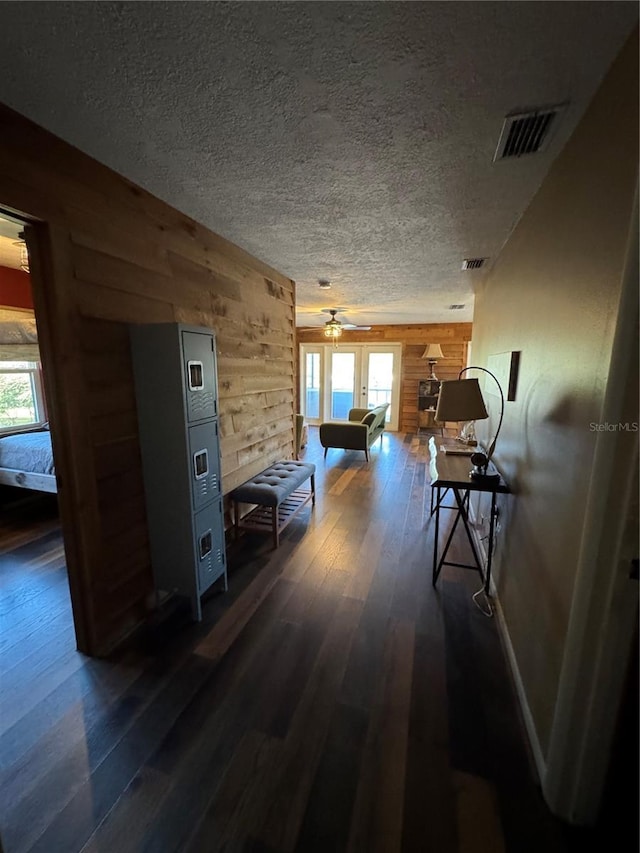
(35, 598)
(337, 379)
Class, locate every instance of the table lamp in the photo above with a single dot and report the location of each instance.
(461, 400)
(432, 353)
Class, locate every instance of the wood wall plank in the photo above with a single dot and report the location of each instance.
(453, 338)
(127, 257)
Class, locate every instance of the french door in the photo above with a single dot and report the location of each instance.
(334, 380)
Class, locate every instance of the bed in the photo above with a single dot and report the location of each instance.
(26, 460)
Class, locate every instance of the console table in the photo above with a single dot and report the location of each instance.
(450, 472)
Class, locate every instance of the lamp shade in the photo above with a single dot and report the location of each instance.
(460, 400)
(432, 352)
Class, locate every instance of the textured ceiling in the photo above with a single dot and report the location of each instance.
(348, 141)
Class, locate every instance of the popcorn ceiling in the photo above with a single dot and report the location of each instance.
(347, 141)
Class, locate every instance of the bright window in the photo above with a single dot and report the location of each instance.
(20, 394)
(380, 380)
(342, 384)
(312, 385)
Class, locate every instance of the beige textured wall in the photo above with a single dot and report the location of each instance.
(553, 294)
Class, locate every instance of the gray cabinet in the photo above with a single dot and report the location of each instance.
(177, 400)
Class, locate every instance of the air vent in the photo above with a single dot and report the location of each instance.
(324, 284)
(527, 133)
(456, 307)
(473, 263)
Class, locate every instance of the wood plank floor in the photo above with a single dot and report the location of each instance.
(332, 700)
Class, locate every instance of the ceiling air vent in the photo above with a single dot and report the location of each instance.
(527, 133)
(473, 263)
(457, 307)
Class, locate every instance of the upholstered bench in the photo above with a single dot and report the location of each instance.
(277, 496)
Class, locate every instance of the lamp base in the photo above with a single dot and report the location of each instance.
(484, 473)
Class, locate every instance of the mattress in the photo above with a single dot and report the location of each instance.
(27, 451)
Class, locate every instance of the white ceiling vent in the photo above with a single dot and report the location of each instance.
(527, 133)
(456, 307)
(473, 263)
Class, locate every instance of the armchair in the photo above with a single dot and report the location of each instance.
(358, 433)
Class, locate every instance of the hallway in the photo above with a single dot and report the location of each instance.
(331, 700)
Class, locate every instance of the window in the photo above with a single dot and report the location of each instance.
(21, 400)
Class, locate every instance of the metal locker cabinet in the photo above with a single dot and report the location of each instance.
(177, 401)
(205, 463)
(199, 365)
(209, 530)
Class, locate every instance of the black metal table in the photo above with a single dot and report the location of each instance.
(451, 472)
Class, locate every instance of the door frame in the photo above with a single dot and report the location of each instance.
(604, 608)
(49, 270)
(361, 351)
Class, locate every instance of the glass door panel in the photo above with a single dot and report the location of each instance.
(380, 379)
(312, 386)
(343, 383)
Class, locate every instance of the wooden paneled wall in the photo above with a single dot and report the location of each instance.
(105, 253)
(453, 337)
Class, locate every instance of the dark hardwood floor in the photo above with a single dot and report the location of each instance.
(332, 700)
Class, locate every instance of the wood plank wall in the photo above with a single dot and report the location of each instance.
(453, 337)
(111, 254)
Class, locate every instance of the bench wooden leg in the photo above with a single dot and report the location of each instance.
(313, 489)
(236, 521)
(274, 523)
(366, 454)
(325, 452)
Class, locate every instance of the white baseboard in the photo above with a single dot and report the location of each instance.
(534, 743)
(532, 734)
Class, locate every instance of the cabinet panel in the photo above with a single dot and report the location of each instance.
(200, 376)
(205, 463)
(209, 541)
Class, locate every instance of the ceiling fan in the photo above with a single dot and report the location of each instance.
(333, 328)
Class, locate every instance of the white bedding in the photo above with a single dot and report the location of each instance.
(27, 451)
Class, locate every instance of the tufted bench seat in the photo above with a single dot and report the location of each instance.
(276, 495)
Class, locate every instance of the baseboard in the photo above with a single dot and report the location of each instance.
(534, 743)
(539, 762)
